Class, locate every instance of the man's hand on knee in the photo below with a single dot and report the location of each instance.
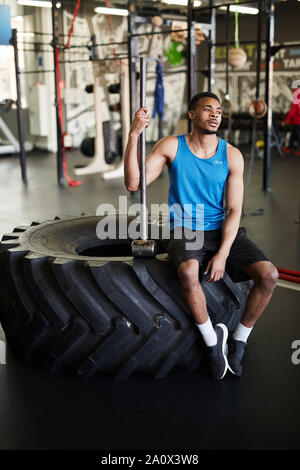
(216, 267)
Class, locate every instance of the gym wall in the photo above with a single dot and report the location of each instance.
(286, 61)
(79, 105)
(77, 76)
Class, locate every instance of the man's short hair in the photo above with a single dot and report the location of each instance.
(196, 98)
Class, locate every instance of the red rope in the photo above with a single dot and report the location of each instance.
(72, 24)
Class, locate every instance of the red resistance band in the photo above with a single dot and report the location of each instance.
(288, 271)
(70, 181)
(287, 277)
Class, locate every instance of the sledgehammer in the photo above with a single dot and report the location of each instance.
(143, 248)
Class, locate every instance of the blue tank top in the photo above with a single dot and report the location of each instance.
(197, 185)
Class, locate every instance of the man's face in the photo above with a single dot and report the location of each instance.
(207, 115)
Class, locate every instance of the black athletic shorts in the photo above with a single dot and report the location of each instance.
(243, 252)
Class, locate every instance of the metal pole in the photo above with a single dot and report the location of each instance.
(142, 146)
(258, 62)
(133, 57)
(268, 94)
(20, 116)
(212, 47)
(257, 92)
(227, 98)
(224, 5)
(227, 51)
(132, 61)
(191, 56)
(258, 54)
(59, 155)
(233, 43)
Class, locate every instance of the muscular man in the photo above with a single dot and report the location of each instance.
(203, 168)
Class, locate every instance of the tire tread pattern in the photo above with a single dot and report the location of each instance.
(117, 316)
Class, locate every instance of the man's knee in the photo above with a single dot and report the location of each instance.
(188, 273)
(270, 278)
(266, 277)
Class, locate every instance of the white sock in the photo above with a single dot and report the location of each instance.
(208, 333)
(241, 333)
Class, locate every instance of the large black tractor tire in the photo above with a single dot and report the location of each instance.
(70, 301)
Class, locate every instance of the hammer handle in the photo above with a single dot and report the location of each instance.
(142, 144)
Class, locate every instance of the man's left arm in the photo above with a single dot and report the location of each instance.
(234, 204)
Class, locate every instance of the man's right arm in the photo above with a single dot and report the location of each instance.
(131, 165)
(161, 153)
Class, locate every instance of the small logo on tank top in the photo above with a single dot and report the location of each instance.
(218, 162)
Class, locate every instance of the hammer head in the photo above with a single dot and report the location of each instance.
(143, 248)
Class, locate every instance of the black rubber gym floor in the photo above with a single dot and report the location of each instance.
(261, 410)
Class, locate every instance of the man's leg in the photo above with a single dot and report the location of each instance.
(214, 337)
(188, 274)
(264, 275)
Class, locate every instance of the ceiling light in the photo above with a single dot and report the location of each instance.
(241, 9)
(184, 3)
(111, 11)
(32, 3)
(38, 3)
